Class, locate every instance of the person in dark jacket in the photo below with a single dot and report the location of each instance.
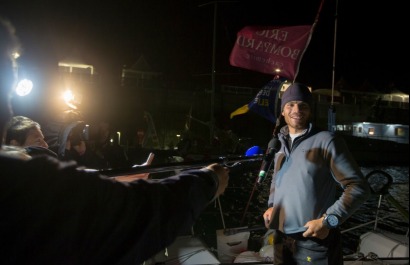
(77, 149)
(56, 213)
(303, 207)
(23, 131)
(111, 153)
(26, 133)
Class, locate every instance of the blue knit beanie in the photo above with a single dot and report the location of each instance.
(296, 92)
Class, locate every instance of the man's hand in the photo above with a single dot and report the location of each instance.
(315, 228)
(223, 177)
(267, 216)
(130, 178)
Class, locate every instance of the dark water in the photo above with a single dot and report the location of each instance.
(243, 204)
(393, 205)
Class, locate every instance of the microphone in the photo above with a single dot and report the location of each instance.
(273, 147)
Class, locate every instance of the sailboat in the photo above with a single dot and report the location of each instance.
(233, 245)
(376, 245)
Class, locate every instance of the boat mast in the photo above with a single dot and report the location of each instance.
(213, 71)
(332, 111)
(212, 118)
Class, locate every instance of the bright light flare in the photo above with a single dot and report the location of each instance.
(69, 98)
(15, 55)
(119, 137)
(24, 87)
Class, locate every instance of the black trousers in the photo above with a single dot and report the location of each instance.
(294, 249)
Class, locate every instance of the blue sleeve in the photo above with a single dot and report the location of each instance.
(347, 173)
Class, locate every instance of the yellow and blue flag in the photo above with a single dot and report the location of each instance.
(264, 102)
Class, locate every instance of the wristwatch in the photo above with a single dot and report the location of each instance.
(331, 221)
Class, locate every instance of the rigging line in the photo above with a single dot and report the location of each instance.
(334, 55)
(249, 201)
(221, 212)
(275, 132)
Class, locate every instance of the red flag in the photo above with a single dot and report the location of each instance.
(269, 49)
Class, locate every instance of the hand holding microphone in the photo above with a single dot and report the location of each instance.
(273, 147)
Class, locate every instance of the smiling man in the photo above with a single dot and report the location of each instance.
(303, 207)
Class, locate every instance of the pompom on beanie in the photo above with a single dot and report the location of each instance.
(296, 92)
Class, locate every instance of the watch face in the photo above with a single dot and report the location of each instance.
(332, 220)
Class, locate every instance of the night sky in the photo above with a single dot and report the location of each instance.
(176, 37)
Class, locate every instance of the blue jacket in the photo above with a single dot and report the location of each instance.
(306, 178)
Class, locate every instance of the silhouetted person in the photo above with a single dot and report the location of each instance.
(56, 213)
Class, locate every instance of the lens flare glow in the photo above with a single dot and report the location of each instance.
(24, 87)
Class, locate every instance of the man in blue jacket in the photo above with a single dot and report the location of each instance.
(55, 213)
(303, 206)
